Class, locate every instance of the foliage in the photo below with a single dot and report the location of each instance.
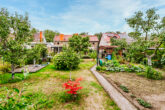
(153, 74)
(143, 103)
(124, 88)
(99, 35)
(163, 60)
(148, 32)
(5, 67)
(83, 33)
(93, 55)
(14, 33)
(39, 51)
(66, 60)
(98, 68)
(73, 86)
(49, 35)
(14, 100)
(63, 97)
(32, 32)
(79, 43)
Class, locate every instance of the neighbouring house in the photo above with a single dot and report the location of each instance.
(39, 38)
(105, 47)
(63, 40)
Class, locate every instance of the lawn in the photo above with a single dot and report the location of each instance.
(152, 91)
(46, 91)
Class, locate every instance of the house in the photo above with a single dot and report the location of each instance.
(63, 40)
(105, 46)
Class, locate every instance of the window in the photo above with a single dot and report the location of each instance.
(58, 43)
(93, 43)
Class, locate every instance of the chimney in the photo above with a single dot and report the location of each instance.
(40, 36)
(61, 37)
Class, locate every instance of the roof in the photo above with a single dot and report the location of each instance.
(37, 37)
(92, 38)
(105, 39)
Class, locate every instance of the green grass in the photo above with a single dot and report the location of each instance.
(45, 91)
(96, 85)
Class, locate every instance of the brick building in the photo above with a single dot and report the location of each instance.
(62, 40)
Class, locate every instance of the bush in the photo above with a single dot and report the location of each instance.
(153, 74)
(13, 100)
(143, 103)
(66, 60)
(5, 68)
(98, 68)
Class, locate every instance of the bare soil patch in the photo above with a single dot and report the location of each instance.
(152, 91)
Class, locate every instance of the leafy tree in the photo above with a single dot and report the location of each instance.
(99, 35)
(79, 44)
(39, 51)
(32, 32)
(14, 33)
(49, 35)
(148, 32)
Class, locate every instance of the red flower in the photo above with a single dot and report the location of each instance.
(73, 86)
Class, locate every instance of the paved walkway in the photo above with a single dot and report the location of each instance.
(119, 99)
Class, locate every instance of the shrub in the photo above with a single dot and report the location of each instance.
(93, 55)
(72, 86)
(153, 74)
(14, 100)
(143, 103)
(98, 68)
(66, 60)
(5, 68)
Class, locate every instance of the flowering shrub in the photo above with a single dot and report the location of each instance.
(73, 86)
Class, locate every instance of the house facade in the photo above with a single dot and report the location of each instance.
(105, 46)
(63, 40)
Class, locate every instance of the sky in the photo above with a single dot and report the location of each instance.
(75, 16)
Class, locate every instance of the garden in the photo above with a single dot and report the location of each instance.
(64, 80)
(139, 74)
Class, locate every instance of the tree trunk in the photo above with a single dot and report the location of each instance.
(149, 60)
(34, 62)
(12, 70)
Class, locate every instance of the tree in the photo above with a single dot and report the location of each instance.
(49, 35)
(14, 33)
(99, 35)
(79, 43)
(32, 32)
(39, 51)
(83, 33)
(148, 32)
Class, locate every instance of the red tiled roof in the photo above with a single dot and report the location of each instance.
(92, 38)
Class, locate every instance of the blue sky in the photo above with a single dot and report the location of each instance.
(74, 16)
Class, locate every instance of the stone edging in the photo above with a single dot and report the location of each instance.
(122, 102)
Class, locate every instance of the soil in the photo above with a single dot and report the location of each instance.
(152, 91)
